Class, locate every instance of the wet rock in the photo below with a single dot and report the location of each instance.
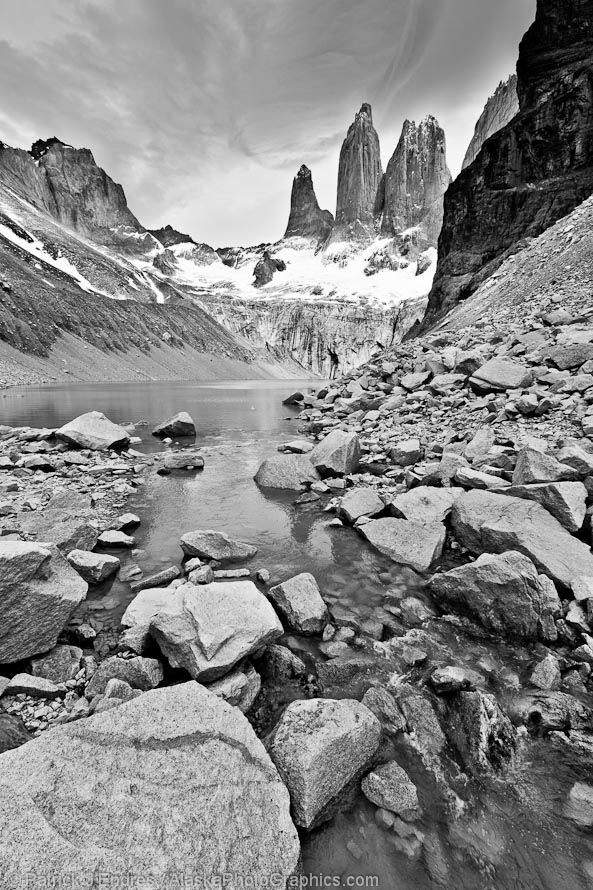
(413, 544)
(173, 745)
(390, 787)
(240, 688)
(61, 664)
(280, 664)
(548, 711)
(126, 520)
(482, 733)
(360, 502)
(286, 471)
(297, 446)
(93, 431)
(337, 455)
(176, 427)
(184, 460)
(454, 679)
(39, 591)
(425, 504)
(579, 804)
(13, 732)
(386, 709)
(137, 672)
(484, 521)
(319, 746)
(208, 630)
(498, 375)
(504, 593)
(93, 567)
(113, 538)
(564, 500)
(159, 579)
(300, 602)
(295, 399)
(209, 544)
(423, 724)
(546, 674)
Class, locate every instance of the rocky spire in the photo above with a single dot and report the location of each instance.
(535, 170)
(416, 180)
(307, 219)
(498, 111)
(360, 175)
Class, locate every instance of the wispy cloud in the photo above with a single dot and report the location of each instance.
(204, 110)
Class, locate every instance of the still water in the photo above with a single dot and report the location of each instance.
(509, 834)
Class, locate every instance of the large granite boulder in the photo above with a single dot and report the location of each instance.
(319, 747)
(336, 455)
(500, 374)
(138, 615)
(300, 602)
(207, 630)
(414, 544)
(172, 783)
(292, 472)
(139, 673)
(362, 501)
(93, 567)
(95, 431)
(39, 591)
(493, 523)
(176, 427)
(68, 531)
(503, 593)
(390, 787)
(209, 544)
(564, 500)
(425, 504)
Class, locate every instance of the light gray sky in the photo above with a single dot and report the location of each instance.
(205, 109)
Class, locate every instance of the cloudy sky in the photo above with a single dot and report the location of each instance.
(205, 109)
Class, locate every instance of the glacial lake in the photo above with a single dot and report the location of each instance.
(510, 834)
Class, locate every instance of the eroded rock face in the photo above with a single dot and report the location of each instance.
(416, 180)
(535, 170)
(360, 174)
(173, 746)
(307, 219)
(500, 109)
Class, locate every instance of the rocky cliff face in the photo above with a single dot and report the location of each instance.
(500, 109)
(168, 236)
(360, 176)
(307, 219)
(536, 169)
(67, 184)
(416, 180)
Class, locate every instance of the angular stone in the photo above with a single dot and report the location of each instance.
(480, 444)
(140, 613)
(94, 431)
(534, 467)
(184, 460)
(500, 374)
(208, 630)
(503, 593)
(360, 502)
(337, 455)
(39, 591)
(580, 460)
(209, 544)
(57, 527)
(132, 794)
(488, 522)
(300, 602)
(286, 471)
(564, 500)
(546, 674)
(159, 579)
(240, 688)
(579, 805)
(425, 504)
(481, 732)
(390, 787)
(13, 732)
(319, 746)
(27, 684)
(139, 673)
(470, 478)
(406, 453)
(61, 664)
(454, 678)
(93, 567)
(178, 426)
(112, 538)
(414, 544)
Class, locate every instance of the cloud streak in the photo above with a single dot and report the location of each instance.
(204, 110)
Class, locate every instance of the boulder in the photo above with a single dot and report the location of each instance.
(534, 467)
(208, 630)
(287, 471)
(482, 733)
(487, 522)
(390, 787)
(94, 431)
(564, 500)
(209, 544)
(579, 805)
(336, 455)
(499, 374)
(93, 567)
(176, 427)
(406, 453)
(13, 732)
(183, 460)
(36, 687)
(546, 674)
(240, 688)
(425, 504)
(363, 501)
(67, 531)
(319, 746)
(414, 544)
(113, 538)
(139, 673)
(59, 665)
(131, 793)
(159, 579)
(454, 678)
(299, 601)
(295, 399)
(504, 594)
(39, 591)
(140, 613)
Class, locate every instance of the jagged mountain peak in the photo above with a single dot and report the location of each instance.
(360, 173)
(499, 110)
(41, 146)
(307, 219)
(168, 236)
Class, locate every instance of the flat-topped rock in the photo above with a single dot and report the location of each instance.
(500, 374)
(564, 500)
(425, 504)
(414, 544)
(209, 544)
(292, 472)
(363, 501)
(93, 567)
(300, 602)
